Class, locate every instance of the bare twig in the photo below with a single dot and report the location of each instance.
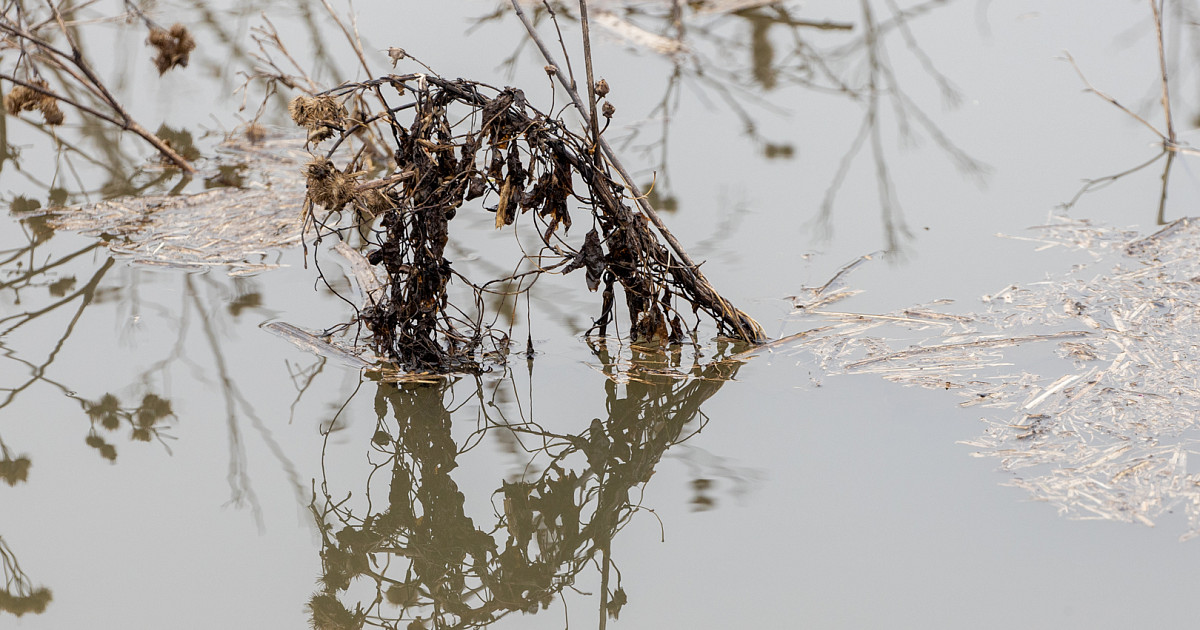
(1091, 88)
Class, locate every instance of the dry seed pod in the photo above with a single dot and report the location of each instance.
(550, 70)
(174, 46)
(396, 54)
(255, 133)
(602, 88)
(608, 110)
(27, 99)
(322, 116)
(310, 111)
(327, 186)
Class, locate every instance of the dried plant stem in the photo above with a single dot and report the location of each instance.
(688, 273)
(1168, 139)
(1091, 88)
(58, 97)
(1156, 9)
(352, 38)
(591, 79)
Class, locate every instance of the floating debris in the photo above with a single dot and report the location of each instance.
(234, 228)
(319, 344)
(1109, 438)
(637, 36)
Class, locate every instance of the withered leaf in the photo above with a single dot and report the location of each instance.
(516, 170)
(676, 329)
(504, 210)
(592, 257)
(495, 107)
(496, 165)
(476, 187)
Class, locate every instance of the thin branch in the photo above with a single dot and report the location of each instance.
(92, 82)
(1110, 99)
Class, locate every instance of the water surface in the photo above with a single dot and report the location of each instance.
(178, 450)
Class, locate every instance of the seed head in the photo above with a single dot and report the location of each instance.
(174, 46)
(396, 54)
(27, 99)
(321, 115)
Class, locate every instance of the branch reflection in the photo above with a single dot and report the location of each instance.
(39, 288)
(412, 555)
(738, 52)
(19, 595)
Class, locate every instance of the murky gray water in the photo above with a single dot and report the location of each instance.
(175, 447)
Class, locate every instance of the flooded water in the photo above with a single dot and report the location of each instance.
(170, 462)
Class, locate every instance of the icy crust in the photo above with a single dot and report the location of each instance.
(239, 229)
(1088, 381)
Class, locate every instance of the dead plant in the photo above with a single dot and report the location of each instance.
(462, 140)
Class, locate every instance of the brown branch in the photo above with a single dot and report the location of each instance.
(69, 101)
(1110, 99)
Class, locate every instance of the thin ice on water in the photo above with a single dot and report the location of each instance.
(1087, 383)
(238, 229)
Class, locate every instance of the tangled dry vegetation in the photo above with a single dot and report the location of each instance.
(443, 144)
(453, 142)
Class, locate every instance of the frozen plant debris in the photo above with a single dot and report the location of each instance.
(1087, 382)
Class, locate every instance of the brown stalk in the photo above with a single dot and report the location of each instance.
(591, 79)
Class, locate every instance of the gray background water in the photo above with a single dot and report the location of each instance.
(841, 502)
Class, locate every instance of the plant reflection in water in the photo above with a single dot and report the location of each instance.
(50, 292)
(19, 595)
(761, 48)
(418, 559)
